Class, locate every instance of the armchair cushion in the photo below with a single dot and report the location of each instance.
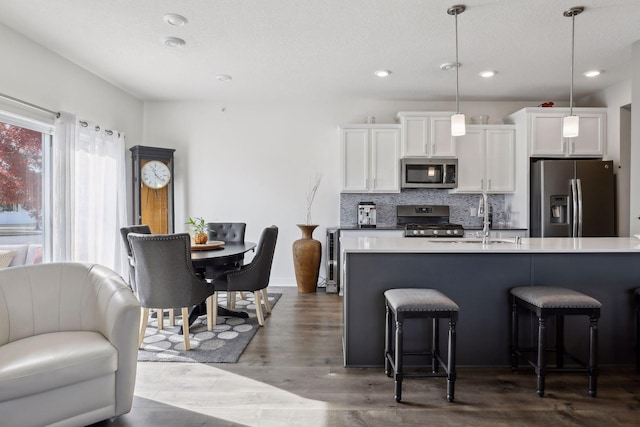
(48, 361)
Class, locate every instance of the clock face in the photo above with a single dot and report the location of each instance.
(155, 174)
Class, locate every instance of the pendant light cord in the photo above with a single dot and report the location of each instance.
(573, 48)
(457, 66)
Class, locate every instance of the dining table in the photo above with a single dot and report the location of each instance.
(215, 257)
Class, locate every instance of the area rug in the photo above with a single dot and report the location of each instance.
(224, 344)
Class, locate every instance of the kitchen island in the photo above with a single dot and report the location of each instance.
(478, 278)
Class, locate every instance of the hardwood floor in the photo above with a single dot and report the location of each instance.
(291, 375)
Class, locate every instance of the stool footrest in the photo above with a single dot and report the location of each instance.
(521, 352)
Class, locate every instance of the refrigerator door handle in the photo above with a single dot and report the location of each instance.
(579, 186)
(574, 208)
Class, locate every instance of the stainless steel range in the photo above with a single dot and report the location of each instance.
(427, 221)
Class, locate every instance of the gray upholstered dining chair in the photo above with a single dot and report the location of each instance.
(252, 277)
(142, 229)
(124, 231)
(228, 232)
(166, 279)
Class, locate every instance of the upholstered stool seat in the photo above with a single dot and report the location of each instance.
(547, 301)
(431, 304)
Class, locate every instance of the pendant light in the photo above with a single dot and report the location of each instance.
(457, 120)
(571, 123)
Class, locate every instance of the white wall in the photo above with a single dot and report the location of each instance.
(36, 75)
(634, 201)
(253, 161)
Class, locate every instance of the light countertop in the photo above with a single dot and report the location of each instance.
(527, 245)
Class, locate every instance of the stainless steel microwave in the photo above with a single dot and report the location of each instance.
(429, 173)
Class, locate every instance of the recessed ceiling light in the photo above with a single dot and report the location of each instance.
(488, 73)
(175, 19)
(593, 73)
(382, 73)
(449, 66)
(174, 42)
(223, 77)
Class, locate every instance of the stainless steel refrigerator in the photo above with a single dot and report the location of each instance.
(572, 198)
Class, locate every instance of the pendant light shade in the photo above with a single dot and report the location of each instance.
(458, 126)
(570, 126)
(571, 123)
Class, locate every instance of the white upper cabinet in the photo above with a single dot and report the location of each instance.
(486, 159)
(370, 158)
(543, 127)
(426, 134)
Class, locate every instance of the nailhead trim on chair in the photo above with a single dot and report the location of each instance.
(417, 300)
(554, 297)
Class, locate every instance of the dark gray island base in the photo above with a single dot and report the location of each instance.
(479, 283)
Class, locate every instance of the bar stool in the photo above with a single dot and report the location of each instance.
(547, 301)
(431, 304)
(637, 293)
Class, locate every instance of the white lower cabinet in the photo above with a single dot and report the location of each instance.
(486, 159)
(370, 157)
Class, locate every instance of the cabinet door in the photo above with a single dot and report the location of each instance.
(590, 141)
(355, 160)
(471, 164)
(442, 143)
(500, 155)
(385, 161)
(546, 135)
(415, 134)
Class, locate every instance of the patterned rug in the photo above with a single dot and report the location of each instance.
(224, 344)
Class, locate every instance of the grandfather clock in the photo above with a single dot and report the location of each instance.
(152, 178)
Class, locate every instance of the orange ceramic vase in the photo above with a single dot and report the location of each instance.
(306, 259)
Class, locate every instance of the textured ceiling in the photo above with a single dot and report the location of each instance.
(330, 48)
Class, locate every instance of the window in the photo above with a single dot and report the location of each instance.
(24, 182)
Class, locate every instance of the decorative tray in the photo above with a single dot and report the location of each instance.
(212, 244)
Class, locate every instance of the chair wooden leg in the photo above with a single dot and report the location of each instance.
(241, 294)
(172, 317)
(185, 327)
(144, 316)
(231, 300)
(210, 313)
(160, 312)
(256, 296)
(265, 297)
(214, 309)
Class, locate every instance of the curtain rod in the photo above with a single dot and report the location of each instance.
(28, 104)
(85, 124)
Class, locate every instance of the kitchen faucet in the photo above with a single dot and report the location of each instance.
(483, 211)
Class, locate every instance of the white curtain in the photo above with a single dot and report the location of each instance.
(89, 203)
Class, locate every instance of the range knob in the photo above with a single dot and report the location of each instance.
(422, 232)
(415, 232)
(435, 232)
(455, 231)
(449, 231)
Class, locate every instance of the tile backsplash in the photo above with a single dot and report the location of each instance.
(461, 205)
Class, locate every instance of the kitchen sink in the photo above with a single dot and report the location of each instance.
(472, 240)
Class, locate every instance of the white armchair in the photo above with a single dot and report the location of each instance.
(68, 344)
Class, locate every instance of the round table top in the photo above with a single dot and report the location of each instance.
(230, 249)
